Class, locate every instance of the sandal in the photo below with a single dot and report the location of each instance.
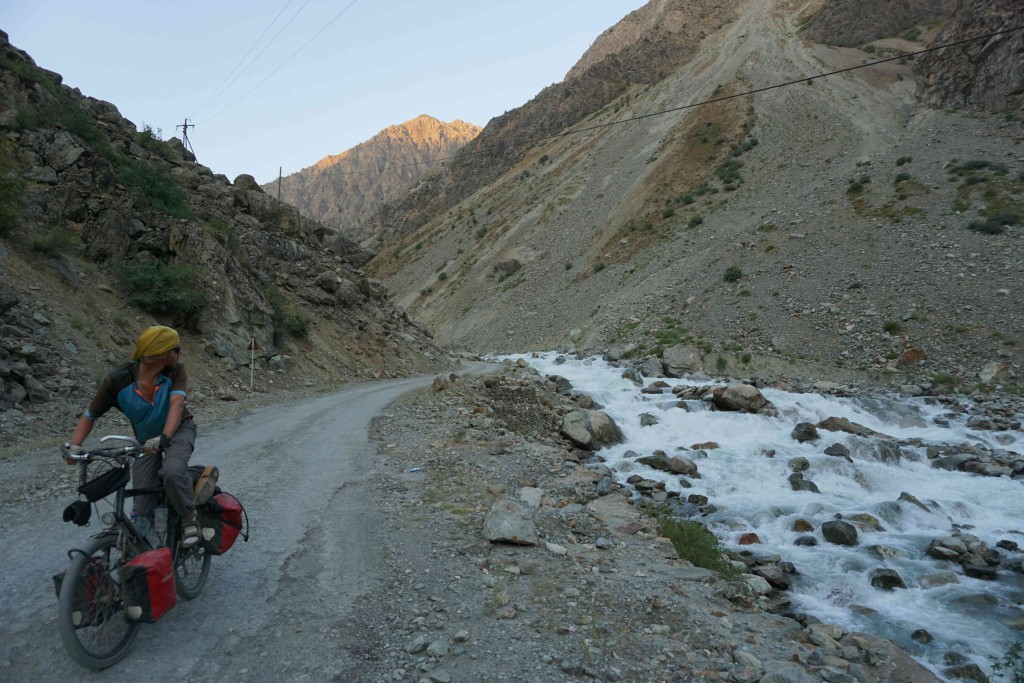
(206, 486)
(190, 534)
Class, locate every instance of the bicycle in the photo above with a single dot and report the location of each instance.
(90, 607)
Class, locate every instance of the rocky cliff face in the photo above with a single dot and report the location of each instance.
(853, 23)
(343, 191)
(985, 75)
(90, 208)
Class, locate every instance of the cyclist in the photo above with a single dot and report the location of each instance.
(150, 391)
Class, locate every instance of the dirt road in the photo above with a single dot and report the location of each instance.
(273, 608)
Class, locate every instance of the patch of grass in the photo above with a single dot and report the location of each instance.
(732, 274)
(693, 542)
(892, 327)
(904, 160)
(674, 333)
(54, 242)
(721, 363)
(900, 177)
(668, 212)
(695, 221)
(729, 172)
(945, 379)
(163, 289)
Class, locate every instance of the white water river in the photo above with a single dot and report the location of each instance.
(752, 493)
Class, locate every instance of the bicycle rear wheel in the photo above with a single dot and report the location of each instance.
(191, 568)
(90, 610)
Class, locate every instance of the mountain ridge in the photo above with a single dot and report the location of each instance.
(344, 190)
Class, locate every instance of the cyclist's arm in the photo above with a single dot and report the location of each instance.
(82, 430)
(174, 415)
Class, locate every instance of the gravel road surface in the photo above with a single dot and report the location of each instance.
(274, 607)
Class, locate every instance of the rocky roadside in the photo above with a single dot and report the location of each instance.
(512, 555)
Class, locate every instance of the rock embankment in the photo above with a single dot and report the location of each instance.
(515, 555)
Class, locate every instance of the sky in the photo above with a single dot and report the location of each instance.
(275, 84)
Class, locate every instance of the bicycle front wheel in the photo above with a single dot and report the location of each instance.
(191, 569)
(90, 610)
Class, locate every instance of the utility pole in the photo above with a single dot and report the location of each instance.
(279, 170)
(184, 135)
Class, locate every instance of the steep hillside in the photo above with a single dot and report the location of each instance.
(829, 228)
(641, 61)
(344, 190)
(105, 230)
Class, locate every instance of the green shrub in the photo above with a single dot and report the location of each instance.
(54, 242)
(987, 227)
(904, 160)
(686, 199)
(900, 177)
(892, 327)
(481, 232)
(599, 267)
(284, 319)
(695, 221)
(442, 276)
(163, 289)
(732, 274)
(568, 266)
(149, 139)
(668, 212)
(297, 325)
(158, 185)
(693, 542)
(1006, 218)
(721, 362)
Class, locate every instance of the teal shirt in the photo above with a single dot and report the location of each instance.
(119, 390)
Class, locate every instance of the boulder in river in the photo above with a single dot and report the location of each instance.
(839, 532)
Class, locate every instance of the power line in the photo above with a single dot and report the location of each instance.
(280, 66)
(216, 91)
(808, 79)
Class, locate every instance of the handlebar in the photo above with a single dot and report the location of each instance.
(133, 449)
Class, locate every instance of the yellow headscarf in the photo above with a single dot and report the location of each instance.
(155, 340)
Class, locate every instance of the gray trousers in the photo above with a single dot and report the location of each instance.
(147, 471)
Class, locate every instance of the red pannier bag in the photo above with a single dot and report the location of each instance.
(149, 586)
(220, 520)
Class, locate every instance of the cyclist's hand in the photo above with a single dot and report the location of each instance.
(156, 444)
(70, 452)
